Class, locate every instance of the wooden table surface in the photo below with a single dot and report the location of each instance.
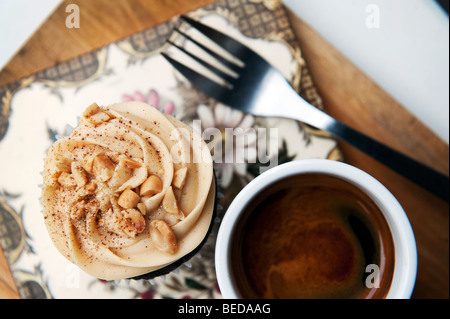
(348, 95)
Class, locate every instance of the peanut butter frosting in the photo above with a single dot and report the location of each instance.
(130, 191)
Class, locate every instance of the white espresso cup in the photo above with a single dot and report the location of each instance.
(404, 253)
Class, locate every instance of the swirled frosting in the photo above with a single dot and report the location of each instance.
(128, 192)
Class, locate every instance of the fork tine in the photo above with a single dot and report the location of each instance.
(208, 86)
(229, 44)
(208, 65)
(221, 59)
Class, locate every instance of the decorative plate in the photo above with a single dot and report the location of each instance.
(37, 110)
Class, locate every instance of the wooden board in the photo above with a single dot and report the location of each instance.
(348, 95)
(8, 289)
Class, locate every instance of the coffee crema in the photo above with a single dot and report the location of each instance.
(312, 236)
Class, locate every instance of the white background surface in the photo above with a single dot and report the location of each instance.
(406, 53)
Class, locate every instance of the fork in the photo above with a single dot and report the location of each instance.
(255, 87)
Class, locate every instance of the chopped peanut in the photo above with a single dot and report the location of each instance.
(89, 188)
(78, 174)
(170, 205)
(103, 167)
(67, 180)
(51, 179)
(128, 199)
(91, 110)
(151, 186)
(98, 118)
(142, 208)
(163, 237)
(179, 178)
(88, 162)
(127, 221)
(62, 163)
(135, 219)
(104, 202)
(121, 174)
(169, 202)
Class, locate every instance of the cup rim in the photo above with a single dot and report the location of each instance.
(405, 268)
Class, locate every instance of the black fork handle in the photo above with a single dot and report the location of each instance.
(424, 176)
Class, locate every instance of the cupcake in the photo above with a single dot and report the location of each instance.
(130, 193)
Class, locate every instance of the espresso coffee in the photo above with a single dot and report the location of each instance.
(312, 236)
